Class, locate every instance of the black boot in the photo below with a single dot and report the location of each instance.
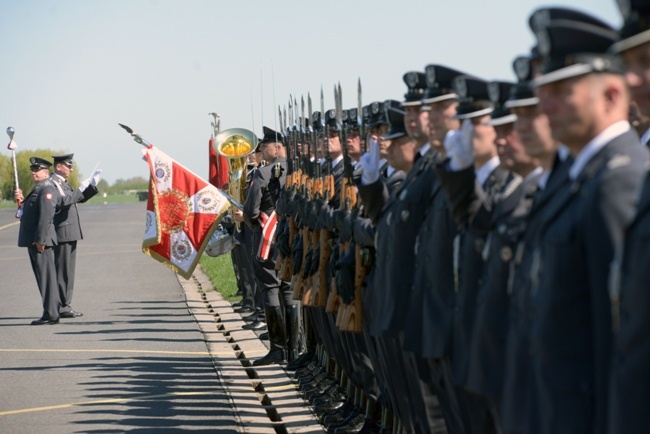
(277, 337)
(293, 332)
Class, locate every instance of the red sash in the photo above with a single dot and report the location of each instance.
(268, 223)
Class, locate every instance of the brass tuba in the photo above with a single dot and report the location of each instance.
(236, 144)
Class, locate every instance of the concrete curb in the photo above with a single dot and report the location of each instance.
(264, 398)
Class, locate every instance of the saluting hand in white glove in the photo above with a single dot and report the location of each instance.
(459, 146)
(370, 163)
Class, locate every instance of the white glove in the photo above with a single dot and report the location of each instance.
(459, 146)
(96, 176)
(84, 184)
(370, 163)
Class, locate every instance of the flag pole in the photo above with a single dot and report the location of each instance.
(148, 145)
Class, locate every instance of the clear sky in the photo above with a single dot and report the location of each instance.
(72, 69)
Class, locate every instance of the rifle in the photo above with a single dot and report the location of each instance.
(314, 296)
(351, 318)
(300, 179)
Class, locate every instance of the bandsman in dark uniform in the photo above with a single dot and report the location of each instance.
(259, 214)
(68, 228)
(582, 91)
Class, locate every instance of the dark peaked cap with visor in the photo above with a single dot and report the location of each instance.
(572, 44)
(473, 97)
(39, 163)
(395, 116)
(416, 84)
(636, 24)
(440, 85)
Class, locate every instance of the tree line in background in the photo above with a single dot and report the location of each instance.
(25, 180)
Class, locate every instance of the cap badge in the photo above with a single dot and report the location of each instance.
(543, 42)
(460, 86)
(625, 7)
(522, 68)
(541, 19)
(431, 76)
(493, 91)
(374, 108)
(412, 79)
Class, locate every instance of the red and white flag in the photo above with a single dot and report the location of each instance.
(183, 211)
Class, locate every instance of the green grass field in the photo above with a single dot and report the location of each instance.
(222, 275)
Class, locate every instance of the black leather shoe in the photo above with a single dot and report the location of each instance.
(328, 408)
(353, 426)
(255, 325)
(243, 310)
(302, 361)
(71, 314)
(264, 336)
(43, 321)
(252, 317)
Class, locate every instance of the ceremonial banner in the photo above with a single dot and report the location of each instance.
(182, 213)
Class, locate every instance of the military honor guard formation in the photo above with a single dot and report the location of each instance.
(473, 258)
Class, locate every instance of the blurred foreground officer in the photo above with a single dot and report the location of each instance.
(630, 386)
(38, 235)
(582, 91)
(68, 228)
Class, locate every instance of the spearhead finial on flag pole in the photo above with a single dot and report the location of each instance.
(136, 136)
(12, 147)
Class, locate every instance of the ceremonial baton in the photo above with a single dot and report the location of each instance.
(12, 147)
(145, 143)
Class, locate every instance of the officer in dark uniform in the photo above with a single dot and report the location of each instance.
(259, 213)
(38, 235)
(583, 92)
(68, 228)
(472, 152)
(535, 132)
(631, 302)
(397, 216)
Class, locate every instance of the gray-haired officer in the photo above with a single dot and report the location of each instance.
(582, 91)
(631, 354)
(68, 228)
(38, 235)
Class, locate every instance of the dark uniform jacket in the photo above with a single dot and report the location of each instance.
(261, 197)
(428, 328)
(468, 253)
(630, 385)
(397, 219)
(66, 220)
(571, 328)
(514, 404)
(487, 348)
(37, 220)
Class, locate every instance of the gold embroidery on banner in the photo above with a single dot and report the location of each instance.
(174, 211)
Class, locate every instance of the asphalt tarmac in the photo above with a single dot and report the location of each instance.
(149, 355)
